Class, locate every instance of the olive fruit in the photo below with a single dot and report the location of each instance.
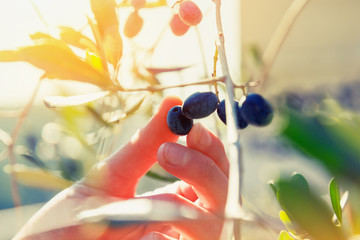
(138, 4)
(257, 110)
(177, 122)
(190, 13)
(200, 105)
(177, 26)
(221, 111)
(133, 24)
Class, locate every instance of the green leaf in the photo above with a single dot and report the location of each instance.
(155, 71)
(105, 14)
(313, 138)
(10, 56)
(256, 55)
(58, 62)
(285, 236)
(108, 27)
(60, 101)
(113, 45)
(30, 156)
(148, 4)
(300, 181)
(128, 111)
(335, 198)
(38, 178)
(287, 221)
(273, 186)
(159, 177)
(309, 211)
(77, 39)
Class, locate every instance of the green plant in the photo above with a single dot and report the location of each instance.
(96, 57)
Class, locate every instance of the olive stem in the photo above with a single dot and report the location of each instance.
(279, 37)
(159, 88)
(233, 204)
(156, 88)
(14, 135)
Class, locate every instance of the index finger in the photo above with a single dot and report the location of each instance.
(120, 173)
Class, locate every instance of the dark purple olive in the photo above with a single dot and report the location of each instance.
(177, 122)
(257, 110)
(241, 122)
(200, 105)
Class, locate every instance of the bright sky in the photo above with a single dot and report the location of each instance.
(19, 18)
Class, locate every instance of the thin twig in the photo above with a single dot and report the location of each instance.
(279, 37)
(157, 88)
(41, 17)
(202, 52)
(14, 135)
(206, 81)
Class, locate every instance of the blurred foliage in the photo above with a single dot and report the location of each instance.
(322, 130)
(326, 132)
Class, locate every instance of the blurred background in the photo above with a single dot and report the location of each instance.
(318, 60)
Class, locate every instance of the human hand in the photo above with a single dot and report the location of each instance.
(202, 167)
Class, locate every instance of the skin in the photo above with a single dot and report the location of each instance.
(202, 166)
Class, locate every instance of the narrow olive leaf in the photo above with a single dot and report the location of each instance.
(30, 156)
(256, 55)
(113, 45)
(272, 186)
(40, 38)
(159, 177)
(10, 56)
(344, 199)
(135, 106)
(40, 35)
(309, 211)
(60, 101)
(95, 61)
(108, 27)
(105, 14)
(287, 222)
(300, 181)
(285, 236)
(5, 138)
(35, 177)
(153, 4)
(155, 71)
(77, 39)
(58, 63)
(335, 199)
(148, 4)
(127, 112)
(99, 42)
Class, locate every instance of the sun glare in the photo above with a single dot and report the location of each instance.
(21, 18)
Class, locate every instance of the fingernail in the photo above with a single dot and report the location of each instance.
(173, 154)
(201, 135)
(152, 236)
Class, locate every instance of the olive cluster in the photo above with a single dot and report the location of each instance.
(255, 110)
(189, 14)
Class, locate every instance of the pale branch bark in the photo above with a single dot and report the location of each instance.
(233, 204)
(278, 38)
